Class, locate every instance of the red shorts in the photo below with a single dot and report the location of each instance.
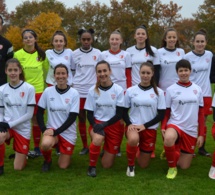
(37, 98)
(207, 106)
(64, 146)
(20, 143)
(82, 102)
(185, 142)
(113, 137)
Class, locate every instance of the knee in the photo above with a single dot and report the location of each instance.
(97, 140)
(132, 141)
(169, 141)
(45, 146)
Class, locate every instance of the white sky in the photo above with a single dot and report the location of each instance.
(189, 6)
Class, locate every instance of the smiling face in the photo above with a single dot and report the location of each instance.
(184, 74)
(199, 44)
(58, 42)
(171, 39)
(86, 40)
(28, 39)
(115, 41)
(13, 72)
(140, 36)
(103, 73)
(61, 76)
(146, 75)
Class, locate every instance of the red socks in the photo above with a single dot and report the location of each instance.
(47, 155)
(36, 135)
(2, 153)
(213, 159)
(94, 154)
(131, 154)
(171, 155)
(83, 133)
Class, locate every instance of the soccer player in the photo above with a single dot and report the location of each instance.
(34, 63)
(17, 101)
(120, 63)
(142, 52)
(6, 52)
(200, 60)
(169, 54)
(184, 116)
(145, 108)
(86, 58)
(62, 104)
(104, 105)
(59, 54)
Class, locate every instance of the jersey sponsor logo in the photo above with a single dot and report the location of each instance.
(52, 99)
(85, 65)
(66, 57)
(13, 105)
(22, 94)
(51, 58)
(6, 95)
(67, 100)
(57, 110)
(187, 102)
(152, 95)
(142, 105)
(113, 96)
(104, 105)
(199, 70)
(178, 93)
(195, 91)
(1, 46)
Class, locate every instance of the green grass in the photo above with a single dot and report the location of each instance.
(112, 181)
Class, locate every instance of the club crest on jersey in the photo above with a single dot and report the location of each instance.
(152, 95)
(121, 56)
(146, 54)
(178, 53)
(1, 46)
(94, 58)
(195, 91)
(66, 57)
(207, 60)
(22, 94)
(113, 96)
(67, 100)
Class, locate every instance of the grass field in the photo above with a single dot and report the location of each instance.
(112, 181)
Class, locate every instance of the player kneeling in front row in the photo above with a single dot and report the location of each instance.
(104, 105)
(62, 103)
(184, 116)
(17, 101)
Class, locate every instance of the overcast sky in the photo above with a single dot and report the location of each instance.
(189, 6)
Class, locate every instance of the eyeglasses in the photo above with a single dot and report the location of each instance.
(86, 39)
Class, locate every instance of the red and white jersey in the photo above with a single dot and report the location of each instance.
(201, 67)
(118, 63)
(66, 58)
(168, 60)
(85, 73)
(59, 105)
(14, 101)
(104, 104)
(184, 103)
(137, 58)
(143, 104)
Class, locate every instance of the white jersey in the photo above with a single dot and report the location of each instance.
(168, 60)
(14, 101)
(213, 102)
(184, 103)
(59, 105)
(118, 62)
(85, 73)
(143, 104)
(104, 104)
(66, 58)
(137, 58)
(201, 67)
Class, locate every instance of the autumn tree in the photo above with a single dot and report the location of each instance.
(13, 34)
(206, 19)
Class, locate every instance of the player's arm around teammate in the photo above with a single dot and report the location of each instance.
(62, 103)
(17, 101)
(146, 103)
(104, 105)
(184, 116)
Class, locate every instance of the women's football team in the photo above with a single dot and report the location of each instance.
(119, 92)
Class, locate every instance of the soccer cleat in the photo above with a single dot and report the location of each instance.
(212, 172)
(119, 154)
(91, 171)
(46, 166)
(11, 156)
(1, 170)
(57, 151)
(203, 152)
(37, 152)
(102, 153)
(163, 155)
(130, 171)
(172, 172)
(84, 151)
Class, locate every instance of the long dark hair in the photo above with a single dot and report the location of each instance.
(201, 31)
(41, 53)
(14, 60)
(152, 82)
(163, 42)
(147, 42)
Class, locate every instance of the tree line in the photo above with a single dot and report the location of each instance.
(46, 16)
